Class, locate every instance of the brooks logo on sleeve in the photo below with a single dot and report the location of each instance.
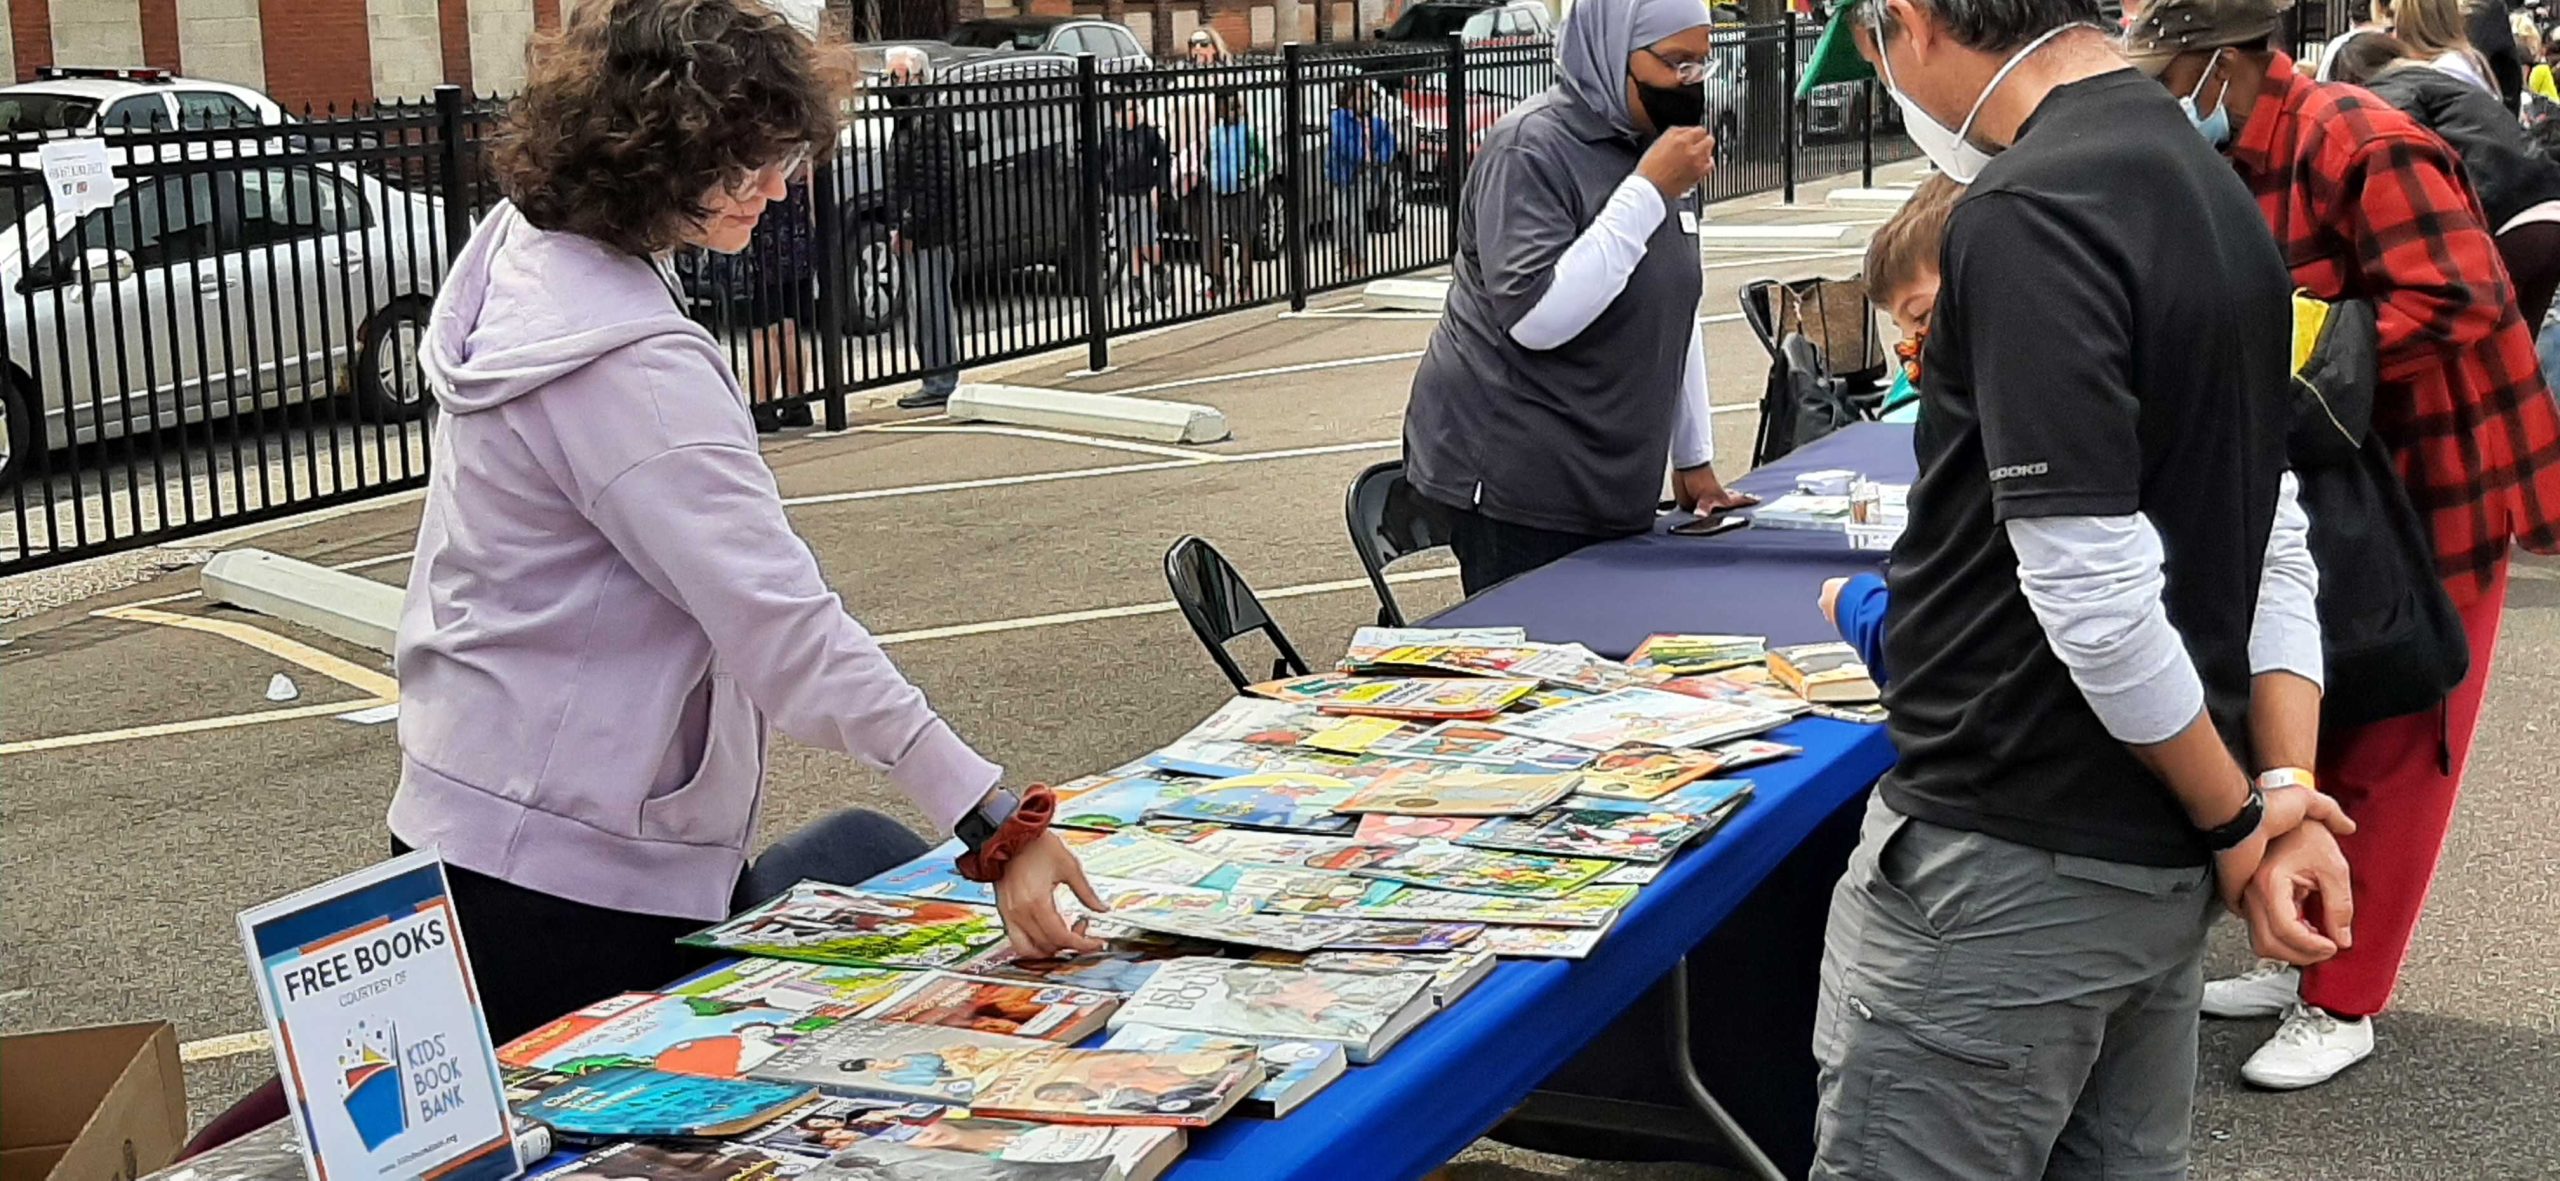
(2016, 470)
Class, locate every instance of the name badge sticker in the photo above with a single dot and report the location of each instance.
(1689, 222)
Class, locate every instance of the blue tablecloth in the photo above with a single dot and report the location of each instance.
(1458, 1074)
(1749, 582)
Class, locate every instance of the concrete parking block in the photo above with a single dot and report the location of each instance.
(1407, 295)
(1101, 414)
(1770, 237)
(1869, 199)
(350, 607)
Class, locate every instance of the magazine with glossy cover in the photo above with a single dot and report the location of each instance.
(1474, 742)
(837, 925)
(1364, 1014)
(801, 987)
(1189, 1088)
(1441, 866)
(1049, 1012)
(1590, 906)
(887, 1160)
(1460, 792)
(681, 1034)
(1640, 715)
(1117, 800)
(830, 1126)
(1292, 1072)
(1287, 801)
(637, 1101)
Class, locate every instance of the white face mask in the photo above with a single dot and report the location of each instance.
(1954, 154)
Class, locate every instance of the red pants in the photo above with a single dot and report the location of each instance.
(2388, 778)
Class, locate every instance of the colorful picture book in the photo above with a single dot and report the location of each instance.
(1191, 918)
(868, 1059)
(1746, 688)
(1259, 847)
(1826, 674)
(1433, 698)
(1049, 1012)
(1123, 964)
(1452, 973)
(799, 987)
(1441, 866)
(1137, 855)
(1613, 834)
(1460, 793)
(1750, 752)
(1642, 772)
(1368, 642)
(1681, 655)
(1187, 1088)
(835, 925)
(932, 875)
(1572, 666)
(1556, 943)
(1248, 885)
(1387, 828)
(1286, 801)
(643, 1161)
(637, 1101)
(1640, 715)
(1405, 937)
(677, 1034)
(1356, 735)
(1704, 797)
(1364, 1014)
(1292, 1072)
(1590, 906)
(1117, 800)
(830, 1126)
(884, 1160)
(1471, 742)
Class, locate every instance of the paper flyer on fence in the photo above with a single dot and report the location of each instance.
(377, 1029)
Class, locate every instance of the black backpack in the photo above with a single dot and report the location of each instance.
(2391, 640)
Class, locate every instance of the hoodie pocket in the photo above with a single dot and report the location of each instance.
(717, 805)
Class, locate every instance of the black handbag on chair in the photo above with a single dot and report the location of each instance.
(2391, 640)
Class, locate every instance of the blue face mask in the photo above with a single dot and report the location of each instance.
(2216, 127)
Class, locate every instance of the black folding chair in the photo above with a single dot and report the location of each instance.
(1389, 522)
(1827, 364)
(1221, 606)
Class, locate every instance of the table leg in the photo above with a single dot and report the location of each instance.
(1752, 1158)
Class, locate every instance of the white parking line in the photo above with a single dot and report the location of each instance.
(226, 1046)
(1025, 623)
(1200, 459)
(1046, 436)
(1319, 366)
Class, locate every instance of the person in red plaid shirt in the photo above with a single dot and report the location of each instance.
(2368, 204)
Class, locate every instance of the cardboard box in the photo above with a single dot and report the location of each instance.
(91, 1104)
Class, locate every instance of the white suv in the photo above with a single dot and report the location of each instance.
(88, 101)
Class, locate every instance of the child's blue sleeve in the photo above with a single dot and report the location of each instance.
(1860, 612)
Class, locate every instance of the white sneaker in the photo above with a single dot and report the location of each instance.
(2310, 1048)
(2262, 991)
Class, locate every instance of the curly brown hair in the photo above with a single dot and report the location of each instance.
(638, 108)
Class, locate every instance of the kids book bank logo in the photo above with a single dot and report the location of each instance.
(369, 1083)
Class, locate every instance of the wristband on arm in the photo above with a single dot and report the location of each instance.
(991, 848)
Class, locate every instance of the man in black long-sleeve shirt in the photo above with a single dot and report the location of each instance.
(1137, 170)
(924, 192)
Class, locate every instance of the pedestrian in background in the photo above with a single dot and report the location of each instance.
(924, 196)
(2434, 30)
(1137, 171)
(778, 277)
(2518, 187)
(1236, 161)
(1205, 48)
(2366, 203)
(1568, 372)
(1360, 146)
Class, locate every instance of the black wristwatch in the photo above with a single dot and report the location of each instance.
(978, 825)
(2239, 828)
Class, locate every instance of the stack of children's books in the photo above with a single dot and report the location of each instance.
(1294, 887)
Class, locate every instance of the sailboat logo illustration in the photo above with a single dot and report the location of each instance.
(369, 1083)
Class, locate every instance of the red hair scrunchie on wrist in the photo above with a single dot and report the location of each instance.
(1030, 818)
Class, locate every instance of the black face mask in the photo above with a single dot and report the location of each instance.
(1672, 106)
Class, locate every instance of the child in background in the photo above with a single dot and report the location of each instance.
(1902, 278)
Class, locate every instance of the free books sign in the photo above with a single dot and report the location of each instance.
(377, 1028)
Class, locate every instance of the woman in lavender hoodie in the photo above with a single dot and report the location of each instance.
(608, 607)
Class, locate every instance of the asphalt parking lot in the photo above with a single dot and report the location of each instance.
(153, 789)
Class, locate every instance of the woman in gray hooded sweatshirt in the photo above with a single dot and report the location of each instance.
(609, 608)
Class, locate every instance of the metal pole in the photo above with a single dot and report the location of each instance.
(1293, 193)
(1867, 134)
(1097, 329)
(1787, 114)
(1455, 159)
(457, 210)
(826, 202)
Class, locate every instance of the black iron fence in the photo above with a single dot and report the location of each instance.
(233, 336)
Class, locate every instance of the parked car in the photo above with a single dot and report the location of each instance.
(204, 291)
(1113, 46)
(89, 101)
(1428, 98)
(1472, 21)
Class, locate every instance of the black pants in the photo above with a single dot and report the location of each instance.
(1491, 551)
(2532, 254)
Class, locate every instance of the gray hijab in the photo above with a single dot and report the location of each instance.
(1591, 53)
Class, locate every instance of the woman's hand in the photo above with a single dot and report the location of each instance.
(1697, 490)
(1678, 160)
(1027, 898)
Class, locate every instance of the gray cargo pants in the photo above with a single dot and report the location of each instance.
(1991, 1010)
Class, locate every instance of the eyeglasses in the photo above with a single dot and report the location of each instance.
(786, 169)
(1689, 73)
(1202, 43)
